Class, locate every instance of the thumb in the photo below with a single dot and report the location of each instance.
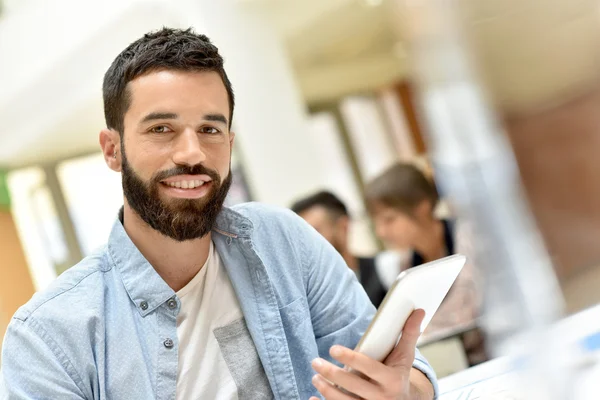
(403, 354)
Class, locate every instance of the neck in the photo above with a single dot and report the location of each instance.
(176, 262)
(431, 243)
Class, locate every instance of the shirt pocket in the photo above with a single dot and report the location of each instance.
(295, 313)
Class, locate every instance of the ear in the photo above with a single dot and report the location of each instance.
(343, 224)
(231, 140)
(110, 143)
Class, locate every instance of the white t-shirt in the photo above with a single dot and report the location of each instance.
(217, 357)
(388, 265)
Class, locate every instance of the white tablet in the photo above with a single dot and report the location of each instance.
(423, 287)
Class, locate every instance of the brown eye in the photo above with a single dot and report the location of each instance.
(160, 129)
(210, 130)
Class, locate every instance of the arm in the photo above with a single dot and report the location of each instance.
(420, 386)
(34, 366)
(340, 309)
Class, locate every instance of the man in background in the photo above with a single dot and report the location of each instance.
(329, 216)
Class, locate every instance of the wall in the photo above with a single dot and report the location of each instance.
(16, 286)
(541, 62)
(270, 117)
(557, 152)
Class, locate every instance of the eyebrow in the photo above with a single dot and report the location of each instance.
(216, 118)
(167, 115)
(159, 115)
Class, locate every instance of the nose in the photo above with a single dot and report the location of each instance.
(188, 149)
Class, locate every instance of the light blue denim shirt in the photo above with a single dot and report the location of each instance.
(102, 329)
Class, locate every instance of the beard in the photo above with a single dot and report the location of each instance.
(178, 219)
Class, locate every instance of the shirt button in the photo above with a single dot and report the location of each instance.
(172, 304)
(168, 343)
(144, 305)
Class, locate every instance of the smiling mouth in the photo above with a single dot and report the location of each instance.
(187, 184)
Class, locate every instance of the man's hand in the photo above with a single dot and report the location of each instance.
(393, 379)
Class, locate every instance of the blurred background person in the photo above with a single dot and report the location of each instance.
(402, 201)
(329, 216)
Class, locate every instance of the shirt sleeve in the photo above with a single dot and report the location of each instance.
(34, 366)
(340, 309)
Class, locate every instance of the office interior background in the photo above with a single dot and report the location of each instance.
(330, 93)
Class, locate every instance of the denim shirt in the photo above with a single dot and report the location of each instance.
(106, 328)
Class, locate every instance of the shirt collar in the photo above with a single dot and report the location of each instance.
(146, 289)
(233, 224)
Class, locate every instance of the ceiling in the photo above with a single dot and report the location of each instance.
(336, 47)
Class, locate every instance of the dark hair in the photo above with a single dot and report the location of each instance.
(324, 199)
(166, 49)
(403, 187)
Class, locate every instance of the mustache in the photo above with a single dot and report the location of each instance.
(197, 169)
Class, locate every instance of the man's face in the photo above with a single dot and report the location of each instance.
(331, 228)
(176, 151)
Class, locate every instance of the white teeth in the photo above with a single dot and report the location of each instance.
(186, 184)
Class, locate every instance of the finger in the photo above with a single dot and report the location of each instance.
(347, 380)
(404, 352)
(329, 391)
(367, 366)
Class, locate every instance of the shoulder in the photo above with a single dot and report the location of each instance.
(263, 216)
(464, 239)
(279, 232)
(73, 289)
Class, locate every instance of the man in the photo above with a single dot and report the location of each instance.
(329, 216)
(190, 299)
